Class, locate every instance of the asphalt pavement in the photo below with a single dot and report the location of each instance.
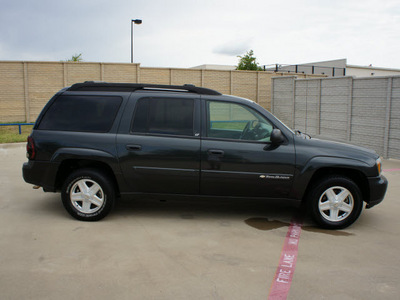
(150, 249)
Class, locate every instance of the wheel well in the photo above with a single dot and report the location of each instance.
(358, 177)
(70, 165)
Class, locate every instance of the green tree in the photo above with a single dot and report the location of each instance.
(248, 62)
(76, 57)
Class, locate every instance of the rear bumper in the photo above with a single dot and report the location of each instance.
(41, 173)
(377, 190)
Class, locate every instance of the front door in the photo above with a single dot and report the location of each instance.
(238, 158)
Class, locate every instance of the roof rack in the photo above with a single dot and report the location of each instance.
(131, 87)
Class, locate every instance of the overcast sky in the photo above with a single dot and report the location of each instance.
(178, 33)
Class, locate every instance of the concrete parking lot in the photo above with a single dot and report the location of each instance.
(180, 250)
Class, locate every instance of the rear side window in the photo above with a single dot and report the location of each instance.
(164, 116)
(81, 113)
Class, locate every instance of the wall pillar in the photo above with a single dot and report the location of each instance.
(349, 108)
(231, 86)
(387, 119)
(318, 129)
(293, 102)
(26, 93)
(258, 88)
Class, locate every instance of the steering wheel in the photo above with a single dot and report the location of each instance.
(264, 132)
(267, 134)
(245, 130)
(260, 132)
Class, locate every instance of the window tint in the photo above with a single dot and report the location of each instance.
(234, 121)
(81, 113)
(141, 116)
(164, 116)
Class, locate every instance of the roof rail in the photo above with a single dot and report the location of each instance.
(131, 87)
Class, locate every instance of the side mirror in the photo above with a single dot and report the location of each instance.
(277, 137)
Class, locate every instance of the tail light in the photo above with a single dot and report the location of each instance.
(30, 148)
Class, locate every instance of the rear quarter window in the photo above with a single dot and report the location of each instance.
(81, 113)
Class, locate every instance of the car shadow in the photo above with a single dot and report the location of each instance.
(259, 214)
(206, 209)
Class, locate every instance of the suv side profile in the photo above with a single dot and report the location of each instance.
(95, 141)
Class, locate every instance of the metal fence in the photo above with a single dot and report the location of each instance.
(361, 111)
(17, 124)
(307, 69)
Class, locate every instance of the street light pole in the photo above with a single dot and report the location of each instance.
(138, 22)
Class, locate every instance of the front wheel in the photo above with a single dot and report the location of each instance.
(88, 195)
(335, 202)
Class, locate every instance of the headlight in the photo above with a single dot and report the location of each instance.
(379, 165)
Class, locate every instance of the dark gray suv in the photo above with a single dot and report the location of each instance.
(95, 141)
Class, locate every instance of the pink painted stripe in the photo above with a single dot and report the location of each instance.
(287, 263)
(390, 170)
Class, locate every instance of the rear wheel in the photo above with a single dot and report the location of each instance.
(88, 195)
(335, 202)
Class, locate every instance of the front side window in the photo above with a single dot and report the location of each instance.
(81, 113)
(234, 121)
(168, 116)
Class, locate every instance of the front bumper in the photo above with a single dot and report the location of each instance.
(377, 190)
(41, 173)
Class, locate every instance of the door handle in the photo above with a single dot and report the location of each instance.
(216, 152)
(133, 147)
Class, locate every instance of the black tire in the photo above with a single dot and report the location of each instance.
(335, 202)
(95, 201)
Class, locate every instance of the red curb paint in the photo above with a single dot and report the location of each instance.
(287, 263)
(390, 170)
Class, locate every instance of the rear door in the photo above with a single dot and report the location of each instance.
(160, 151)
(238, 158)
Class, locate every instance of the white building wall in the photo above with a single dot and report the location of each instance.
(359, 71)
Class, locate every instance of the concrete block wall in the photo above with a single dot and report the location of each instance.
(393, 119)
(362, 111)
(368, 117)
(25, 87)
(283, 105)
(12, 91)
(154, 75)
(218, 80)
(333, 108)
(43, 80)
